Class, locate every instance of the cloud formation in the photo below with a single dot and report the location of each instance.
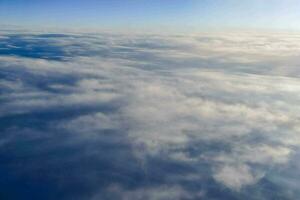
(150, 117)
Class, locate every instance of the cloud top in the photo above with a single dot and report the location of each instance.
(149, 117)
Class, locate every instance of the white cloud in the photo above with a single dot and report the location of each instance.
(225, 94)
(236, 176)
(91, 124)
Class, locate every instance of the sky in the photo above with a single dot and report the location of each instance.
(106, 115)
(177, 15)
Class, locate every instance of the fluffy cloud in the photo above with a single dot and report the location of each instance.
(193, 114)
(236, 176)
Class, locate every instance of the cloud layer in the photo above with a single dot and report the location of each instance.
(102, 116)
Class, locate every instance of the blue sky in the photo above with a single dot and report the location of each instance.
(155, 14)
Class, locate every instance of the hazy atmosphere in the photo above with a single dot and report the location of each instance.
(149, 100)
